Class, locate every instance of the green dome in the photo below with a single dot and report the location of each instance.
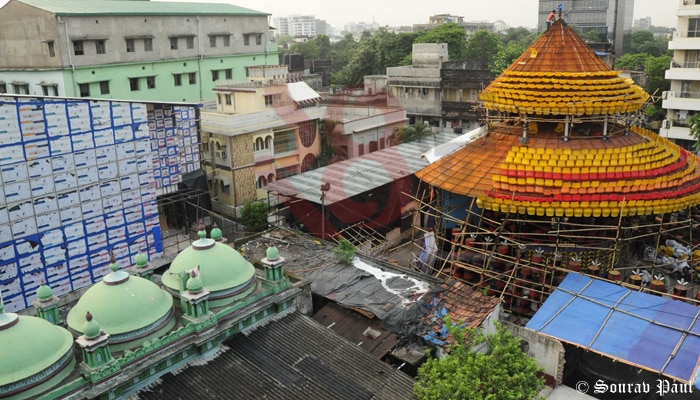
(141, 260)
(31, 346)
(272, 253)
(122, 304)
(194, 284)
(222, 269)
(91, 329)
(216, 233)
(44, 292)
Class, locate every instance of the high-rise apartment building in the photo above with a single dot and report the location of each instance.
(296, 25)
(611, 18)
(683, 100)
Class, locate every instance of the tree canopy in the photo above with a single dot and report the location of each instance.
(450, 33)
(501, 371)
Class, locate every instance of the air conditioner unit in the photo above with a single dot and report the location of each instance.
(220, 153)
(665, 124)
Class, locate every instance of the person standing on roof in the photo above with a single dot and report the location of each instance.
(550, 18)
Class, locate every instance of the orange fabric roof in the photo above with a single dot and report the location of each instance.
(639, 173)
(561, 75)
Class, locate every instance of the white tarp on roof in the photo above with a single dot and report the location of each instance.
(301, 92)
(442, 150)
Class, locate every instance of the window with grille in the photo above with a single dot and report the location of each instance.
(173, 43)
(104, 87)
(214, 75)
(286, 172)
(193, 78)
(212, 41)
(130, 46)
(227, 40)
(50, 90)
(148, 44)
(177, 80)
(84, 89)
(285, 141)
(151, 82)
(78, 48)
(21, 88)
(52, 49)
(134, 84)
(190, 42)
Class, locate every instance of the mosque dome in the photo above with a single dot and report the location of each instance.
(37, 354)
(222, 270)
(216, 233)
(129, 308)
(141, 259)
(91, 328)
(44, 292)
(272, 253)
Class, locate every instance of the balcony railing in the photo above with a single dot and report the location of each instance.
(681, 95)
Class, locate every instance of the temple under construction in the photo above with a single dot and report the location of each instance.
(562, 177)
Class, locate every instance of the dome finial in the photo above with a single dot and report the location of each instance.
(113, 261)
(201, 230)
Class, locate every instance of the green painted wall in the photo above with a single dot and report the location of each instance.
(119, 76)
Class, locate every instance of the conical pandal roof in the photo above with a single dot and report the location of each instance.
(561, 75)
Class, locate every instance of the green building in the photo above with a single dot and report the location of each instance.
(135, 50)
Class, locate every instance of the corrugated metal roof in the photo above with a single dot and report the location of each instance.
(125, 8)
(292, 358)
(355, 176)
(363, 331)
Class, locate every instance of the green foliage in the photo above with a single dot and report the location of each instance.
(506, 56)
(656, 69)
(694, 125)
(405, 134)
(592, 36)
(253, 215)
(450, 33)
(501, 372)
(345, 251)
(483, 45)
(373, 55)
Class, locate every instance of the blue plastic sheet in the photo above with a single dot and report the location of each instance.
(652, 332)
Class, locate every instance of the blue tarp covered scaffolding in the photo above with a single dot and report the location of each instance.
(655, 333)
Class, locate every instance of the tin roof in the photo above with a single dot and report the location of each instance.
(292, 358)
(360, 174)
(129, 8)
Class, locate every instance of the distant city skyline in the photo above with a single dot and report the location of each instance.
(394, 13)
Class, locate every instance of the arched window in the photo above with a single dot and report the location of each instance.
(259, 144)
(271, 178)
(268, 142)
(262, 182)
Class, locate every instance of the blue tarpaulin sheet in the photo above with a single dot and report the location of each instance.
(651, 332)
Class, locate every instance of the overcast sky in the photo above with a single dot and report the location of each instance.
(396, 13)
